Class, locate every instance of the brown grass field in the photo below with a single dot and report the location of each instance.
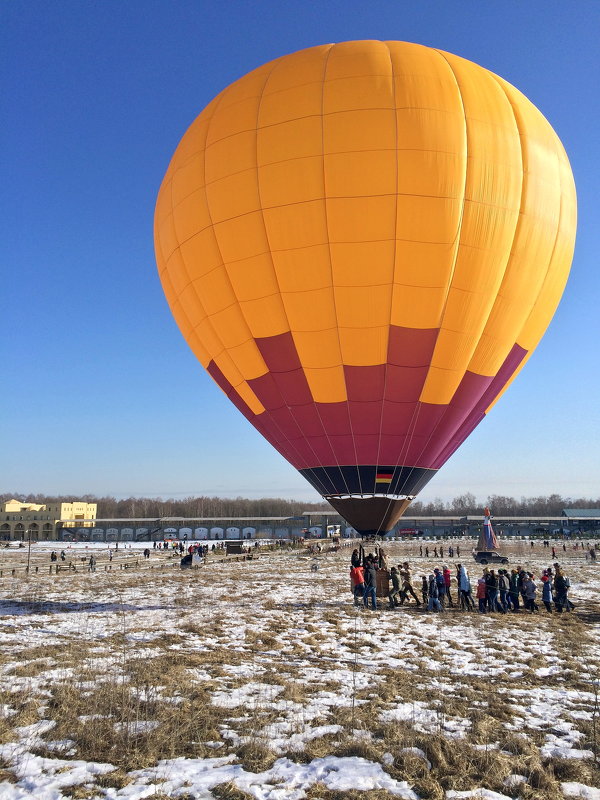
(139, 672)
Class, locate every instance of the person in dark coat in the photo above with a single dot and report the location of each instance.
(441, 586)
(547, 592)
(491, 583)
(513, 582)
(424, 590)
(504, 589)
(561, 587)
(433, 589)
(370, 585)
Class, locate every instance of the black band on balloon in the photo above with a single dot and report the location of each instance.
(368, 479)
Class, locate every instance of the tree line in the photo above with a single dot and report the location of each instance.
(201, 506)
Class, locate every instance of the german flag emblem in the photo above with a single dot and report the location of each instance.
(384, 477)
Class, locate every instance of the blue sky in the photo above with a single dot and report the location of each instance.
(101, 394)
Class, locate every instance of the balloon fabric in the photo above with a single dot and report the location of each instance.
(363, 243)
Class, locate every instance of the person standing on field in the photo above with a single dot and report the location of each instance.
(357, 578)
(433, 591)
(447, 581)
(530, 593)
(406, 579)
(370, 586)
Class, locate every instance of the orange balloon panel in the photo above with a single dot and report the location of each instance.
(362, 243)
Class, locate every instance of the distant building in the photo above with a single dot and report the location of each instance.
(19, 520)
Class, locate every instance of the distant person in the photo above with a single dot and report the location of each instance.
(425, 590)
(513, 582)
(547, 593)
(447, 582)
(491, 581)
(63, 555)
(53, 556)
(92, 564)
(530, 593)
(522, 578)
(561, 586)
(441, 586)
(434, 603)
(482, 595)
(464, 589)
(504, 589)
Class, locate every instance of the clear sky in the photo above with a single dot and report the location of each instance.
(100, 393)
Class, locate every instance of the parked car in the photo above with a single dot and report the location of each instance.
(490, 557)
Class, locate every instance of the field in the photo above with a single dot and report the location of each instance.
(260, 679)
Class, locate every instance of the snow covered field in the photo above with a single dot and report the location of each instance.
(260, 679)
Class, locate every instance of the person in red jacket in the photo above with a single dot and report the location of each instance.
(447, 578)
(357, 583)
(482, 595)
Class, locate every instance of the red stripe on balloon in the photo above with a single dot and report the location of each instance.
(397, 429)
(504, 374)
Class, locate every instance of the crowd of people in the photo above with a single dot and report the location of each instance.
(498, 591)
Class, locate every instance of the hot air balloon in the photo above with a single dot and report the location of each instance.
(363, 243)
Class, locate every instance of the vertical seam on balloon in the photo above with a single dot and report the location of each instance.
(462, 206)
(417, 407)
(386, 363)
(266, 412)
(443, 416)
(203, 149)
(458, 236)
(518, 222)
(554, 246)
(287, 439)
(223, 264)
(415, 413)
(325, 65)
(339, 466)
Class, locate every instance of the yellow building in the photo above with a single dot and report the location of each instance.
(19, 520)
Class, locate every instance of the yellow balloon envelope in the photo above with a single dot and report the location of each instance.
(363, 243)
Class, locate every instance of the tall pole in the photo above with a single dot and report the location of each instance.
(28, 549)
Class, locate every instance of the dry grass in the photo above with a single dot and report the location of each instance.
(320, 792)
(271, 639)
(229, 791)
